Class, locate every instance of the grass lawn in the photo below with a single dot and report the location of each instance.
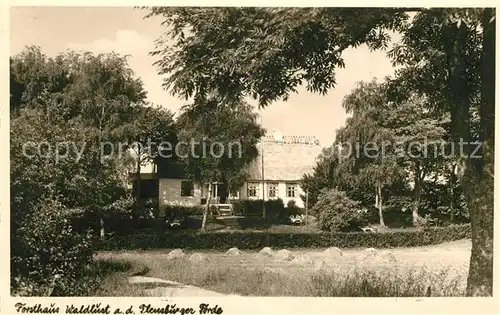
(271, 225)
(274, 228)
(250, 223)
(411, 272)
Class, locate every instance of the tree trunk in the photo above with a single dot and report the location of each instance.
(459, 93)
(101, 127)
(264, 214)
(480, 193)
(379, 204)
(138, 178)
(417, 192)
(207, 208)
(452, 211)
(453, 181)
(307, 207)
(479, 179)
(102, 232)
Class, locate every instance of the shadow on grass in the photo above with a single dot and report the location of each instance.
(154, 285)
(111, 277)
(108, 266)
(239, 223)
(142, 272)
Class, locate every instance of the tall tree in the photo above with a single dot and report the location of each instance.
(369, 158)
(266, 53)
(221, 144)
(98, 93)
(463, 86)
(150, 135)
(420, 135)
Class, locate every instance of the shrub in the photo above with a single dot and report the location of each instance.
(122, 216)
(275, 208)
(212, 209)
(423, 222)
(237, 207)
(436, 201)
(258, 240)
(397, 212)
(46, 254)
(293, 209)
(337, 212)
(252, 207)
(145, 208)
(125, 206)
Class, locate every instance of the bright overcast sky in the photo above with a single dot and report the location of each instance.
(123, 30)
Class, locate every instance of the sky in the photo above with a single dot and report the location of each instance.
(123, 30)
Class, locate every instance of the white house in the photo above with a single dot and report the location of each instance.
(285, 160)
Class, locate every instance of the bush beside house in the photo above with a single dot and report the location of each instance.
(275, 208)
(335, 211)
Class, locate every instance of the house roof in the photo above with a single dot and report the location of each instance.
(285, 158)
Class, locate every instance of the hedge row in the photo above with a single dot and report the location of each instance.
(274, 208)
(256, 240)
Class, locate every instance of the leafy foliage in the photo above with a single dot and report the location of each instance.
(436, 201)
(151, 132)
(263, 53)
(97, 90)
(379, 148)
(323, 176)
(463, 87)
(221, 143)
(151, 136)
(46, 254)
(275, 208)
(337, 212)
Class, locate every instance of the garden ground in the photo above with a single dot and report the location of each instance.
(439, 270)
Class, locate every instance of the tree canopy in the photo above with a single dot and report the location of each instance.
(230, 136)
(263, 53)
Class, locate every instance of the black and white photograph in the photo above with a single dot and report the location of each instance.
(239, 151)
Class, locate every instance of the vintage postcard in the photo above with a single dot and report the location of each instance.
(248, 158)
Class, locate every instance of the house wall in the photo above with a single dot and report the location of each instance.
(281, 192)
(170, 194)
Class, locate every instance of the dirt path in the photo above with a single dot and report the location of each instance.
(161, 288)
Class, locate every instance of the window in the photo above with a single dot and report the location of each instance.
(272, 190)
(291, 190)
(252, 190)
(234, 194)
(187, 188)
